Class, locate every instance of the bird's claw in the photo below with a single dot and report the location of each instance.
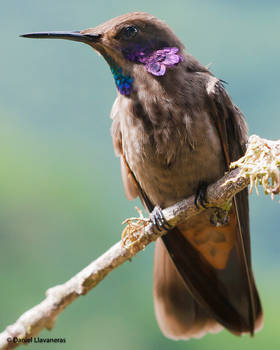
(219, 217)
(200, 196)
(158, 219)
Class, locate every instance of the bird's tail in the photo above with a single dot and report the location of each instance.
(200, 280)
(179, 316)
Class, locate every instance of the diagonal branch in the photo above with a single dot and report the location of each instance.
(59, 297)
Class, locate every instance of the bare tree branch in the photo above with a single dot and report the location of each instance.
(59, 297)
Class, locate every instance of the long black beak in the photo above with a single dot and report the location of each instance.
(75, 36)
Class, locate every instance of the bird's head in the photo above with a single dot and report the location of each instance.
(133, 44)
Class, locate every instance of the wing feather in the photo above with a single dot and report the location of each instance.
(227, 294)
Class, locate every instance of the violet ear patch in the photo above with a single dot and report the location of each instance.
(157, 61)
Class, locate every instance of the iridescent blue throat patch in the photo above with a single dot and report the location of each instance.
(123, 82)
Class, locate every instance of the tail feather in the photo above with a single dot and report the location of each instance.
(200, 284)
(179, 316)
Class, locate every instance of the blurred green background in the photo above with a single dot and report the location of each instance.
(62, 200)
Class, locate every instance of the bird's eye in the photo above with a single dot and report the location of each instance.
(130, 32)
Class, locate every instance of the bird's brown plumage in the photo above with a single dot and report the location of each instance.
(174, 133)
(174, 128)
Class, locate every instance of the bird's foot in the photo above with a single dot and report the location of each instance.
(158, 219)
(200, 196)
(220, 216)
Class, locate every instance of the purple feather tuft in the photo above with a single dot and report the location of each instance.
(157, 61)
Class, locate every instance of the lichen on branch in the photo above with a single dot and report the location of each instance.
(261, 164)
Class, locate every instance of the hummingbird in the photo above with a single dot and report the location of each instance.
(176, 130)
